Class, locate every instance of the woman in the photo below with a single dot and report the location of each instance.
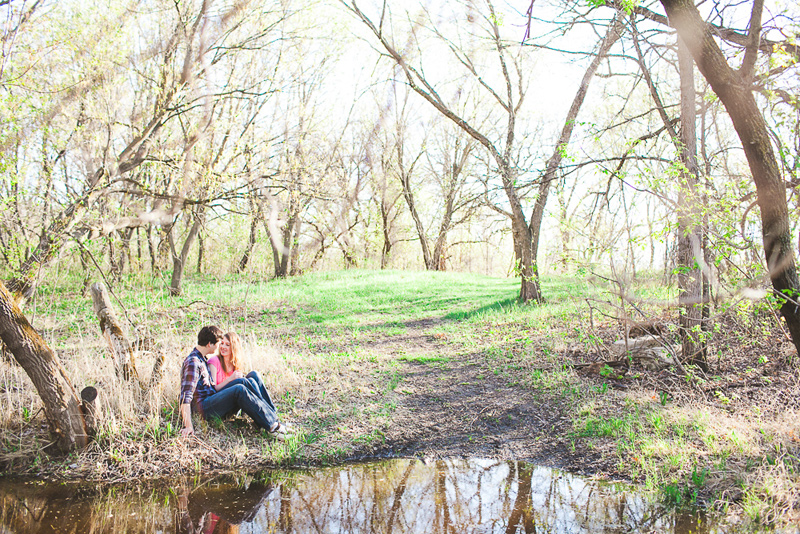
(227, 370)
(228, 365)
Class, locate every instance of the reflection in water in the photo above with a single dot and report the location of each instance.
(392, 497)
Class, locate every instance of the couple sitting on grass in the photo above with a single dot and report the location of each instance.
(216, 387)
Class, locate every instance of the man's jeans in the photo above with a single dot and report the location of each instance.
(247, 394)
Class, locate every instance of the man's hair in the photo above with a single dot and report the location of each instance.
(209, 334)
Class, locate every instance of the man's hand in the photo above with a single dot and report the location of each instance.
(187, 431)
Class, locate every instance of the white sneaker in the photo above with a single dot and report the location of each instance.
(277, 435)
(287, 428)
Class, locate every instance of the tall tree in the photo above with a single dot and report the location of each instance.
(692, 276)
(510, 97)
(735, 90)
(562, 144)
(689, 250)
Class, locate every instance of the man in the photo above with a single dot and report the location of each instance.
(198, 392)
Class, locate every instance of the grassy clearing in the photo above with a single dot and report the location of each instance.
(689, 437)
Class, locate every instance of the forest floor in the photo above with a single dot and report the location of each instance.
(452, 402)
(373, 365)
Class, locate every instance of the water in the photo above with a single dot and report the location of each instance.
(396, 496)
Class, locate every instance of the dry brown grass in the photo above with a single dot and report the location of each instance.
(138, 436)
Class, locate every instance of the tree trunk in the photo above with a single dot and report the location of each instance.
(320, 251)
(286, 251)
(280, 240)
(90, 407)
(62, 406)
(251, 242)
(405, 180)
(688, 251)
(201, 248)
(294, 257)
(125, 254)
(387, 238)
(690, 240)
(736, 95)
(121, 349)
(612, 35)
(179, 260)
(152, 249)
(275, 245)
(530, 291)
(113, 267)
(86, 266)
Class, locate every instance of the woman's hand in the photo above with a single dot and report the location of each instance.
(237, 374)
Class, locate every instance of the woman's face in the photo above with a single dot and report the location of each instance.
(225, 347)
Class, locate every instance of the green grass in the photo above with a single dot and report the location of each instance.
(424, 359)
(378, 300)
(354, 297)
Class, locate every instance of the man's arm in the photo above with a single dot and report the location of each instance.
(186, 416)
(189, 378)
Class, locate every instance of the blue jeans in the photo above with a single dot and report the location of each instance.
(246, 394)
(257, 385)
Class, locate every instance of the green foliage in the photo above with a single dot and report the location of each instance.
(678, 495)
(627, 5)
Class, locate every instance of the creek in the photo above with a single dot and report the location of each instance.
(393, 496)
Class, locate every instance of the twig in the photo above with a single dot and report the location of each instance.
(478, 415)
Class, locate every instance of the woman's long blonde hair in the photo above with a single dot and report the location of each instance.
(235, 363)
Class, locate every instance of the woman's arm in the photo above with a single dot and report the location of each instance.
(213, 370)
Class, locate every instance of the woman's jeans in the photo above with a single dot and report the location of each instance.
(247, 394)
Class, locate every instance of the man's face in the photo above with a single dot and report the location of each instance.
(213, 347)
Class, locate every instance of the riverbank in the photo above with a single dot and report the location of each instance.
(433, 365)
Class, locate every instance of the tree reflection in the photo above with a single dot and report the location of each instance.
(393, 497)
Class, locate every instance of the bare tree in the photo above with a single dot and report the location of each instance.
(509, 99)
(380, 162)
(448, 156)
(554, 162)
(52, 237)
(689, 232)
(526, 235)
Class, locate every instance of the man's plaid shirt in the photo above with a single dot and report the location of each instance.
(196, 384)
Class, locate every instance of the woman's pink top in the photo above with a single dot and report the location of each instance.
(221, 374)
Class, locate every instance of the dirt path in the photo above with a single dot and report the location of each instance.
(460, 407)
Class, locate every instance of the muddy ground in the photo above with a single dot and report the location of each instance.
(460, 408)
